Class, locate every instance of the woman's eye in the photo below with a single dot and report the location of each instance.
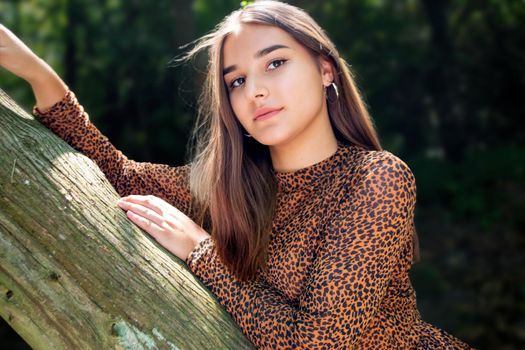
(239, 81)
(236, 83)
(276, 63)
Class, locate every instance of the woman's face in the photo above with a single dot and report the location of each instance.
(275, 86)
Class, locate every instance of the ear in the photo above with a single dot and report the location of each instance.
(327, 71)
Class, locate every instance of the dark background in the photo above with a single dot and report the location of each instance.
(444, 81)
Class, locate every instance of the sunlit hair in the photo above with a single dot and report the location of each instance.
(231, 177)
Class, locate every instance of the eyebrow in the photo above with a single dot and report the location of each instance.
(258, 54)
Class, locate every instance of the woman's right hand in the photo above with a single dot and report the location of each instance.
(18, 59)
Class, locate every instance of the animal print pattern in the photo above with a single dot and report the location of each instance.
(339, 254)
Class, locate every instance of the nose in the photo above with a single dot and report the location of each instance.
(256, 89)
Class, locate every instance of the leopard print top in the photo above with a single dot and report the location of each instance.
(339, 254)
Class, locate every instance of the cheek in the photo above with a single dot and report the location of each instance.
(305, 91)
(301, 86)
(239, 108)
(235, 103)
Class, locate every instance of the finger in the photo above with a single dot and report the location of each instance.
(147, 225)
(175, 218)
(143, 211)
(152, 202)
(158, 205)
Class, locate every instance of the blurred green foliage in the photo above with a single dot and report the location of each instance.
(444, 81)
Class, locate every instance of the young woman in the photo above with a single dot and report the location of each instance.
(289, 212)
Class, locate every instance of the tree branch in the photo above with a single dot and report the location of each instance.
(74, 272)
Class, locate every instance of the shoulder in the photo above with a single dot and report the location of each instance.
(379, 189)
(382, 170)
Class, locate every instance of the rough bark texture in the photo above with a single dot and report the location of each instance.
(75, 273)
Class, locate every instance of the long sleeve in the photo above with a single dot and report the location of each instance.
(362, 246)
(68, 120)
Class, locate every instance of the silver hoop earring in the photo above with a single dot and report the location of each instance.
(335, 89)
(331, 100)
(248, 135)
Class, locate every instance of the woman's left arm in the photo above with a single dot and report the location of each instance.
(350, 275)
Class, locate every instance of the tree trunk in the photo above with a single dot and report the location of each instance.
(75, 273)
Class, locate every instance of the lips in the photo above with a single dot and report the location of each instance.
(265, 113)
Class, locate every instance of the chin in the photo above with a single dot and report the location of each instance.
(272, 140)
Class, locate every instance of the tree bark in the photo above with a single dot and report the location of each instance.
(75, 273)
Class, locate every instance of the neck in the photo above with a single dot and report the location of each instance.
(303, 152)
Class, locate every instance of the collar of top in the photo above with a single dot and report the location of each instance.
(315, 175)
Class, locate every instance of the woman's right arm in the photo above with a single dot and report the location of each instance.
(58, 109)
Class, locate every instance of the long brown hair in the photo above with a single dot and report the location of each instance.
(232, 181)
